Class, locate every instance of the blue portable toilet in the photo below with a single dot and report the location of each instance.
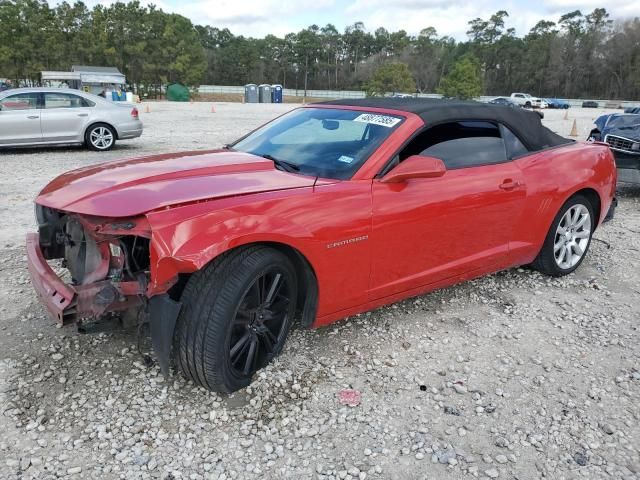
(276, 93)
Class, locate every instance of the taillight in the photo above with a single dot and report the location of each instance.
(134, 112)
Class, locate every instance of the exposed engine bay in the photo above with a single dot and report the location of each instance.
(108, 261)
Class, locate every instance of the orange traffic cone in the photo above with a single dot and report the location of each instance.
(213, 108)
(574, 129)
(566, 114)
(147, 109)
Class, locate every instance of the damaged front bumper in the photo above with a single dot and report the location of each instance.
(69, 303)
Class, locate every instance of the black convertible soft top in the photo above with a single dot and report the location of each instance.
(525, 124)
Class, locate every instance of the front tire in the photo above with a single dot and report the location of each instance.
(235, 317)
(568, 239)
(100, 137)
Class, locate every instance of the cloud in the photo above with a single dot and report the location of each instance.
(251, 18)
(257, 18)
(447, 17)
(619, 9)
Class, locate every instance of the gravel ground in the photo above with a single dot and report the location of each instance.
(513, 376)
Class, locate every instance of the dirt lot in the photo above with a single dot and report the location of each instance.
(514, 376)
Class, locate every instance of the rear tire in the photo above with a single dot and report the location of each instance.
(568, 239)
(235, 317)
(100, 137)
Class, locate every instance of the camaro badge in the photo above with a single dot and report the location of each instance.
(342, 243)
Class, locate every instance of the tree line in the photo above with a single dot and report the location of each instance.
(575, 55)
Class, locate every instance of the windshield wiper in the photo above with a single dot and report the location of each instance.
(286, 166)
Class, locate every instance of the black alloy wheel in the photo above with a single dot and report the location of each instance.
(260, 323)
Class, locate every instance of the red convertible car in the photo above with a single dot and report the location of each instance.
(329, 210)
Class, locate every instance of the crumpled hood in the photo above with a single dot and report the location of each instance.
(625, 125)
(133, 187)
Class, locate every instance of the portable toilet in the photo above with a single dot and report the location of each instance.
(250, 93)
(264, 93)
(276, 93)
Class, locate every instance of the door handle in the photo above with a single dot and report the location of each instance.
(33, 117)
(83, 114)
(509, 184)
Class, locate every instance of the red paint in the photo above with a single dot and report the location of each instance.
(416, 166)
(428, 229)
(369, 242)
(133, 187)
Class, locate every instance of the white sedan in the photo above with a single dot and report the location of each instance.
(50, 116)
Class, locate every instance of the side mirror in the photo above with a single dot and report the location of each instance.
(416, 166)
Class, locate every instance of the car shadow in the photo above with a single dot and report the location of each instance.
(27, 150)
(628, 190)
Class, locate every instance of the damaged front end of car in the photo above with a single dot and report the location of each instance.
(84, 267)
(621, 131)
(103, 263)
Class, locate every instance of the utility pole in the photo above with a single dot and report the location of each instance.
(306, 75)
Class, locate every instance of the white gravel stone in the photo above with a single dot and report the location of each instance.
(492, 473)
(480, 378)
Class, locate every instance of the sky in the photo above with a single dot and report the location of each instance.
(257, 18)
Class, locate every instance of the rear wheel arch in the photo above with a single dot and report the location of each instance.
(590, 194)
(99, 122)
(103, 130)
(594, 199)
(565, 247)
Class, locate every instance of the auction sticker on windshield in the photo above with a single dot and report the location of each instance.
(382, 120)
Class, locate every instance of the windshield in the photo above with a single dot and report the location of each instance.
(323, 142)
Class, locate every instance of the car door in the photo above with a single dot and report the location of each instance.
(64, 116)
(20, 119)
(426, 230)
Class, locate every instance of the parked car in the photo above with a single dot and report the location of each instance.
(51, 116)
(632, 110)
(327, 211)
(505, 101)
(526, 100)
(4, 86)
(557, 103)
(508, 102)
(589, 104)
(621, 131)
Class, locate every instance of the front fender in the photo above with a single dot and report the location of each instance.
(189, 246)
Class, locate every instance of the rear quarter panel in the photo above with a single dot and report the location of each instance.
(552, 177)
(116, 115)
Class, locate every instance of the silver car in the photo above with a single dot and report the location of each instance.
(48, 116)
